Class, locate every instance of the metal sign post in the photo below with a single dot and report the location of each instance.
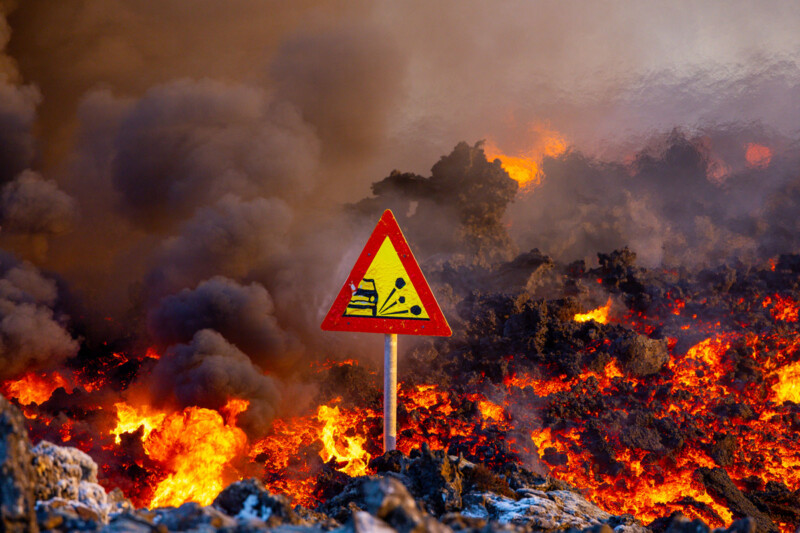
(390, 392)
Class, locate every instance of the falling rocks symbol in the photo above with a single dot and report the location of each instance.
(386, 291)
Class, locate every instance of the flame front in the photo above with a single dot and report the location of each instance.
(33, 388)
(599, 315)
(525, 166)
(195, 446)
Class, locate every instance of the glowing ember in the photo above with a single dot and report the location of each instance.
(599, 315)
(782, 307)
(490, 410)
(35, 388)
(757, 155)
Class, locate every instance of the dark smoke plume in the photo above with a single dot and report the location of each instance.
(230, 238)
(31, 204)
(32, 335)
(243, 314)
(187, 143)
(209, 371)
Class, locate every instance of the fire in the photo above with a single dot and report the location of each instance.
(757, 155)
(599, 315)
(339, 433)
(340, 446)
(33, 388)
(787, 389)
(524, 167)
(130, 418)
(491, 410)
(783, 307)
(195, 446)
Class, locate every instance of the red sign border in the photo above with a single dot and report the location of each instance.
(335, 319)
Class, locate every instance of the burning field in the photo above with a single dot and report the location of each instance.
(615, 245)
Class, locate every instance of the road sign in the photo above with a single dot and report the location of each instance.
(386, 291)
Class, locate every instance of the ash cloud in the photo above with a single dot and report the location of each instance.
(243, 314)
(318, 73)
(683, 200)
(207, 372)
(34, 205)
(228, 238)
(33, 335)
(187, 143)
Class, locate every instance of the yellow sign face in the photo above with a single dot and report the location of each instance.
(385, 290)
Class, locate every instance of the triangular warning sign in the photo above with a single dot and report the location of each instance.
(386, 291)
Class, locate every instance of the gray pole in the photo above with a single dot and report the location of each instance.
(389, 392)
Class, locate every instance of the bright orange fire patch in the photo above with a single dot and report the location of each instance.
(599, 315)
(35, 388)
(524, 166)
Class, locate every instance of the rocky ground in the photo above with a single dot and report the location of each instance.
(53, 488)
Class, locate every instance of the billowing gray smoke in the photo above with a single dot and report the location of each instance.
(243, 314)
(32, 334)
(30, 204)
(677, 202)
(208, 371)
(187, 143)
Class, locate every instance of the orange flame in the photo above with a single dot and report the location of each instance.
(599, 315)
(35, 388)
(787, 389)
(130, 418)
(195, 446)
(337, 445)
(524, 167)
(784, 308)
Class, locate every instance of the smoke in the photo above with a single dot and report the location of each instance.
(316, 72)
(207, 372)
(243, 314)
(32, 204)
(188, 143)
(466, 195)
(32, 335)
(229, 238)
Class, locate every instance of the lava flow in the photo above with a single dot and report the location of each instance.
(672, 400)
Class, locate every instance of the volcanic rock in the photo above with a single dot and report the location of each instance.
(718, 483)
(66, 482)
(16, 472)
(192, 516)
(782, 503)
(550, 511)
(723, 449)
(641, 356)
(435, 479)
(249, 499)
(386, 499)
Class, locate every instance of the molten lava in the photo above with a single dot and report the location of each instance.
(33, 388)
